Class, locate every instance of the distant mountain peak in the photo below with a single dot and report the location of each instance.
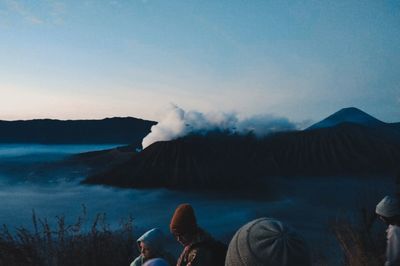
(348, 115)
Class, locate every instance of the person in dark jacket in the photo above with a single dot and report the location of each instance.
(200, 249)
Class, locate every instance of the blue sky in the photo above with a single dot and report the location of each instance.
(298, 59)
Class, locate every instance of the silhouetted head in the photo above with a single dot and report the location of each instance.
(388, 209)
(267, 241)
(183, 224)
(151, 243)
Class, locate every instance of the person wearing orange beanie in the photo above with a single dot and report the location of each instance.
(199, 247)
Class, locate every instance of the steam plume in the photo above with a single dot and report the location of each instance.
(178, 123)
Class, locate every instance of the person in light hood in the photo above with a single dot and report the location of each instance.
(388, 209)
(151, 245)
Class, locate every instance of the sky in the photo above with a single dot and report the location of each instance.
(302, 60)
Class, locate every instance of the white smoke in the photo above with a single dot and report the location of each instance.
(178, 123)
(262, 125)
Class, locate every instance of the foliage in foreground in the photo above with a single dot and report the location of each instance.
(67, 245)
(362, 240)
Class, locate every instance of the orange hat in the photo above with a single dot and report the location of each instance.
(184, 220)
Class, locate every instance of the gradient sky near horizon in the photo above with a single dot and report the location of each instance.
(302, 60)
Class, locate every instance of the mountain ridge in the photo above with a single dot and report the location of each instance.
(348, 115)
(116, 130)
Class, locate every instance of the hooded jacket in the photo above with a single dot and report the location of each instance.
(393, 246)
(154, 240)
(388, 207)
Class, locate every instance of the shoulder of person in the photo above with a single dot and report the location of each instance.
(393, 233)
(393, 229)
(199, 255)
(208, 247)
(138, 261)
(169, 257)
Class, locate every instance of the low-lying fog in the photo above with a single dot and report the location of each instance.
(28, 181)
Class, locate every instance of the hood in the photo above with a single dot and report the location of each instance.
(153, 238)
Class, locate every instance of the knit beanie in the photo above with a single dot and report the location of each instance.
(388, 207)
(266, 241)
(183, 221)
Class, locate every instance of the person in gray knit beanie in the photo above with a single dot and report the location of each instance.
(267, 242)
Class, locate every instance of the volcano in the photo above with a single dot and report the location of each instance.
(348, 115)
(191, 162)
(232, 161)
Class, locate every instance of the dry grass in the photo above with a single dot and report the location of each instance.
(362, 239)
(67, 245)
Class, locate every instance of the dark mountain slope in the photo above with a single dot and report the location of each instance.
(231, 161)
(191, 162)
(97, 161)
(348, 115)
(344, 149)
(45, 131)
(355, 116)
